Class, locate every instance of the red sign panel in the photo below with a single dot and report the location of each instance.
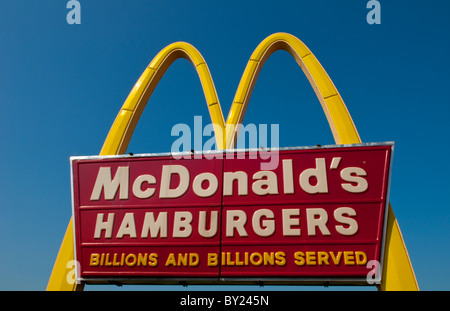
(312, 214)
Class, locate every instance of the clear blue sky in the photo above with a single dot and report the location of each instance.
(62, 85)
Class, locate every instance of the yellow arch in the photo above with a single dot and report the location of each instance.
(398, 273)
(339, 119)
(123, 127)
(125, 123)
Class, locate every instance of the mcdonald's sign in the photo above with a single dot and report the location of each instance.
(102, 184)
(317, 216)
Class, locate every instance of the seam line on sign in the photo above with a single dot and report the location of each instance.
(151, 243)
(302, 243)
(219, 255)
(311, 202)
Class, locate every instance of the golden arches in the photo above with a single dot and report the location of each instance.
(341, 124)
(397, 272)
